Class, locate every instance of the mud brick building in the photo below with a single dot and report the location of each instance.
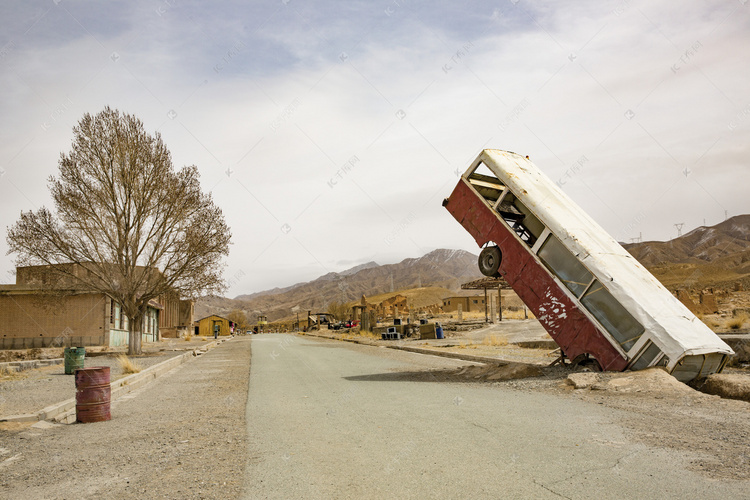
(33, 314)
(468, 304)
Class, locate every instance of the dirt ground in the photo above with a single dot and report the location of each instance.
(194, 446)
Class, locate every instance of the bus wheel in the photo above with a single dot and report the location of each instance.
(489, 261)
(585, 360)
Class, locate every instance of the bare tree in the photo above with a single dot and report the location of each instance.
(131, 225)
(238, 317)
(339, 310)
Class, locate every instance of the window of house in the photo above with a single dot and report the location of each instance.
(118, 317)
(565, 265)
(612, 315)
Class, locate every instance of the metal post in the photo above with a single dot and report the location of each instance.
(500, 302)
(486, 318)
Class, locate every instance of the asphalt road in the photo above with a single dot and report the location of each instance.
(328, 419)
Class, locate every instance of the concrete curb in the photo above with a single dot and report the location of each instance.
(19, 366)
(421, 350)
(64, 411)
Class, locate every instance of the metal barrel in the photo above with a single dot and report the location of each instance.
(93, 394)
(74, 359)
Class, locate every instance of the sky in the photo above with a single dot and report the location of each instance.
(330, 132)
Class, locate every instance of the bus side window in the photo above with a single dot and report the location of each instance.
(565, 265)
(612, 315)
(648, 355)
(524, 223)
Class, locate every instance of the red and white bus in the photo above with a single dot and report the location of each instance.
(589, 293)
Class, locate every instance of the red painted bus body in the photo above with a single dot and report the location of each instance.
(572, 330)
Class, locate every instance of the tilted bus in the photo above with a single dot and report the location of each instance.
(592, 296)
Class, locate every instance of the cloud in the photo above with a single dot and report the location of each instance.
(329, 133)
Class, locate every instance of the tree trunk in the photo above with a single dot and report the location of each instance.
(134, 339)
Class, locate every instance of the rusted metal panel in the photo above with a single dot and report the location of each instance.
(571, 329)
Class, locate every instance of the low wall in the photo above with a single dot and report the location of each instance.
(33, 342)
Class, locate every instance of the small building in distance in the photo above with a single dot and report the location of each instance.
(473, 303)
(206, 325)
(33, 314)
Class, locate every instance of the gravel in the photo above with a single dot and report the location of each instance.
(182, 436)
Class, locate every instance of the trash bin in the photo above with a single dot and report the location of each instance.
(438, 331)
(93, 394)
(74, 359)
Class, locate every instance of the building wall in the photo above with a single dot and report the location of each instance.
(35, 320)
(468, 304)
(176, 319)
(206, 326)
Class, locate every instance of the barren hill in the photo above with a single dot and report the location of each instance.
(715, 256)
(440, 268)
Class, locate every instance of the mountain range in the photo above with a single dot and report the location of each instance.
(708, 256)
(716, 256)
(440, 268)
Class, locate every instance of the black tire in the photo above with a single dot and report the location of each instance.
(489, 261)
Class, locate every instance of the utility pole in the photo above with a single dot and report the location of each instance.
(679, 228)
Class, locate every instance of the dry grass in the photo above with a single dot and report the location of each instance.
(510, 314)
(10, 374)
(737, 322)
(494, 340)
(369, 335)
(127, 365)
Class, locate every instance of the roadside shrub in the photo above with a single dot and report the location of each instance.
(127, 365)
(737, 322)
(494, 340)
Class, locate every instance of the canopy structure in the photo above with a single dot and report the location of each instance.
(484, 284)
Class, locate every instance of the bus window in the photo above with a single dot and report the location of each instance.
(612, 315)
(694, 366)
(648, 355)
(565, 265)
(486, 183)
(524, 223)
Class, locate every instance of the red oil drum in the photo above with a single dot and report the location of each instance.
(93, 394)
